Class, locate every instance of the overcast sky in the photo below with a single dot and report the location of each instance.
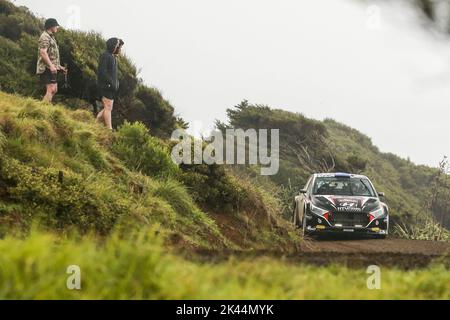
(370, 67)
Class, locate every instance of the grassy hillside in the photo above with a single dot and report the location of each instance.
(405, 183)
(308, 146)
(60, 169)
(19, 33)
(111, 179)
(114, 203)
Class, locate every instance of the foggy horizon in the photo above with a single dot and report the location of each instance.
(371, 67)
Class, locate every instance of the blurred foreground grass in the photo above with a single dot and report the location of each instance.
(138, 267)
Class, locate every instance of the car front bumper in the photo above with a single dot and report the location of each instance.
(318, 225)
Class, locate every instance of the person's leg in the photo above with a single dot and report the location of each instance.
(107, 110)
(100, 115)
(52, 89)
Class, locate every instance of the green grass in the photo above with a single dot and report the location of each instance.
(99, 191)
(428, 229)
(138, 267)
(125, 179)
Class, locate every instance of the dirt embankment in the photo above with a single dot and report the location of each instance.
(355, 253)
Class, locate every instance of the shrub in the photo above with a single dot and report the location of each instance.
(61, 199)
(357, 163)
(213, 188)
(176, 194)
(142, 152)
(155, 112)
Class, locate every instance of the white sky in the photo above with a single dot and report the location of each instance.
(370, 67)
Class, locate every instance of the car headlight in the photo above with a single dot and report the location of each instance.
(377, 213)
(316, 210)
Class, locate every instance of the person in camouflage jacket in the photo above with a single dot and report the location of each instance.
(49, 63)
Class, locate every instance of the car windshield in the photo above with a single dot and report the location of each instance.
(343, 187)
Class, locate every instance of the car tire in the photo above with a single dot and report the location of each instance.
(304, 225)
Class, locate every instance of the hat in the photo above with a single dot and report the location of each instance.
(50, 23)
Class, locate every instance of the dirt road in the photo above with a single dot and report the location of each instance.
(427, 248)
(391, 252)
(405, 254)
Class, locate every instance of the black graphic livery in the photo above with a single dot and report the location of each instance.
(341, 202)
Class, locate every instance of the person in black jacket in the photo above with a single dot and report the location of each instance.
(108, 79)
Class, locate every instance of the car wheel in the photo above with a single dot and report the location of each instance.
(305, 232)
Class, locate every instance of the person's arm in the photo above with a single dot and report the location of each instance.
(46, 58)
(105, 64)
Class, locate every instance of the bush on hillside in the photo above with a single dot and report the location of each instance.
(154, 111)
(214, 189)
(302, 140)
(142, 152)
(57, 168)
(59, 199)
(308, 146)
(357, 163)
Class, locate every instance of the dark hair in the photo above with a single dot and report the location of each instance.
(114, 43)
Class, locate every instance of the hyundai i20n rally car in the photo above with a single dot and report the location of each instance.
(341, 203)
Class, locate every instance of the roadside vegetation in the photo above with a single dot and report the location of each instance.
(19, 32)
(114, 203)
(416, 194)
(141, 149)
(139, 267)
(429, 226)
(60, 169)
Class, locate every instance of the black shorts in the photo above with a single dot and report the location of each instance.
(48, 78)
(108, 94)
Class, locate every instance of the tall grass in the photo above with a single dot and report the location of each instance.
(62, 169)
(58, 167)
(426, 226)
(429, 229)
(137, 267)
